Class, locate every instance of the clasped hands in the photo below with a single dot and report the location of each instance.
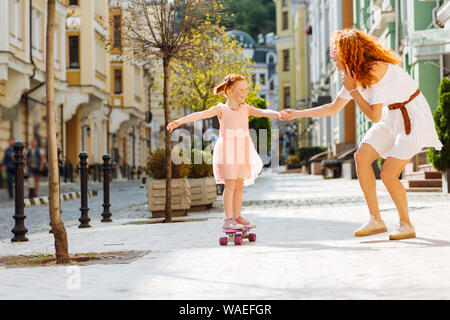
(287, 115)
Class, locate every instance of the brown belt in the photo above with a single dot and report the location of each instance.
(402, 108)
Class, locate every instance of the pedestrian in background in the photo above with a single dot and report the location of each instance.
(9, 166)
(35, 161)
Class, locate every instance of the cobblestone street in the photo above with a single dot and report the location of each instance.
(304, 249)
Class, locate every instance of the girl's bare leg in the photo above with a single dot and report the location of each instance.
(237, 198)
(364, 158)
(227, 198)
(390, 173)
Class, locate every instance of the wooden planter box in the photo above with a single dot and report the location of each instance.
(203, 193)
(316, 168)
(156, 195)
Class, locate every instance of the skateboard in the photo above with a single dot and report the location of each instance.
(237, 236)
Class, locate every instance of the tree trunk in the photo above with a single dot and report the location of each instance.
(59, 232)
(168, 208)
(204, 120)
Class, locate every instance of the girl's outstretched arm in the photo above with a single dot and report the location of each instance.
(263, 112)
(214, 111)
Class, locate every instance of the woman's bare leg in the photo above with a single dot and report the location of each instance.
(364, 158)
(227, 198)
(237, 198)
(390, 173)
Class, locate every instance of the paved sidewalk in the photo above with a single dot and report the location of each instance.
(304, 250)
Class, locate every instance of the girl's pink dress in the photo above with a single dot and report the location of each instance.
(235, 155)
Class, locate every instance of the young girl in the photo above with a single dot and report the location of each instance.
(235, 160)
(403, 123)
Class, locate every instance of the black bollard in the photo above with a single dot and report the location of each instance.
(84, 219)
(106, 177)
(60, 165)
(19, 229)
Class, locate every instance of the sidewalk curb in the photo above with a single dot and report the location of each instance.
(63, 197)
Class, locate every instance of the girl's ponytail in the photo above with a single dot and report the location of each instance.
(228, 82)
(220, 88)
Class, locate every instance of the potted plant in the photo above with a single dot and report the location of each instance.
(156, 186)
(201, 180)
(293, 162)
(441, 159)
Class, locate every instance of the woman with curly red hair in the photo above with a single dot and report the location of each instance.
(403, 123)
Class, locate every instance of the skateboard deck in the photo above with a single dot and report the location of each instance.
(237, 236)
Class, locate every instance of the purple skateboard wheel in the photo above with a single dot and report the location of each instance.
(252, 237)
(223, 241)
(238, 240)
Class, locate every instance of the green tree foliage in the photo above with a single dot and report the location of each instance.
(258, 123)
(441, 159)
(252, 16)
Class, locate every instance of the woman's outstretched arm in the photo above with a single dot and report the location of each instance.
(212, 112)
(322, 111)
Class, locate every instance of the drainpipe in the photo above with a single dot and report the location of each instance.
(25, 96)
(437, 26)
(309, 138)
(397, 20)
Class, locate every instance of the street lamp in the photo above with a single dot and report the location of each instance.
(73, 20)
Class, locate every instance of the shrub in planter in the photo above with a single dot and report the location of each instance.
(201, 180)
(181, 190)
(203, 169)
(305, 153)
(441, 159)
(293, 162)
(157, 166)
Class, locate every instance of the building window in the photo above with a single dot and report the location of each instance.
(99, 7)
(287, 97)
(285, 3)
(262, 79)
(137, 84)
(36, 21)
(116, 31)
(285, 21)
(99, 57)
(15, 21)
(73, 2)
(117, 81)
(286, 60)
(74, 59)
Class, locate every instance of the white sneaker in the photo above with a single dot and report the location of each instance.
(402, 231)
(370, 228)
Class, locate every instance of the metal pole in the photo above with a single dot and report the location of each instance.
(19, 229)
(84, 219)
(106, 177)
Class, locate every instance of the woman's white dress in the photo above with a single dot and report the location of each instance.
(388, 136)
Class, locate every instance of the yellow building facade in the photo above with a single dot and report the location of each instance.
(93, 115)
(22, 69)
(292, 69)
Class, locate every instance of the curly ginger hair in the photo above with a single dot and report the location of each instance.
(360, 52)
